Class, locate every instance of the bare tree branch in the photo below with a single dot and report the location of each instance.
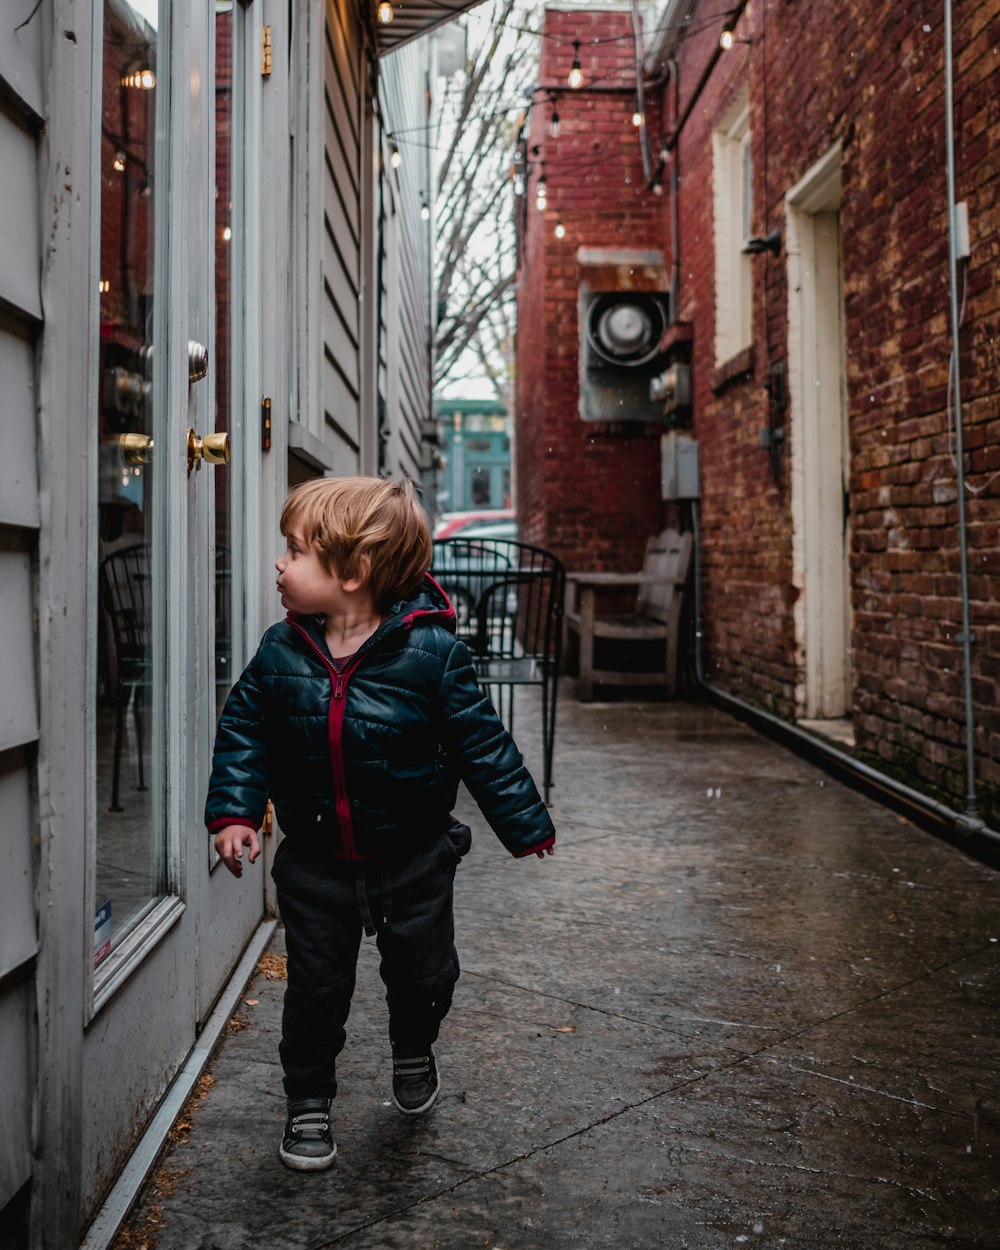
(476, 130)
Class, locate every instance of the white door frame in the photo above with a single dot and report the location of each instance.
(819, 446)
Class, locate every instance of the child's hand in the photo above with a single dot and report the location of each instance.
(230, 841)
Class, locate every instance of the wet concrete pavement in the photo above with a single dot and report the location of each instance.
(742, 1005)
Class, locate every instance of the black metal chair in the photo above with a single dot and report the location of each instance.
(123, 580)
(508, 599)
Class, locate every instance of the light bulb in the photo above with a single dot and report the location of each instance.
(140, 80)
(425, 211)
(394, 157)
(227, 233)
(560, 230)
(554, 125)
(576, 72)
(637, 118)
(119, 162)
(385, 13)
(726, 39)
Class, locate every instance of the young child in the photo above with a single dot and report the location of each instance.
(357, 717)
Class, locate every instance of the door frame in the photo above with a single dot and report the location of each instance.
(819, 444)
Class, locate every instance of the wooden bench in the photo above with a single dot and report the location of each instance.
(655, 615)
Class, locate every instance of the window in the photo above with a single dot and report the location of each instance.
(733, 183)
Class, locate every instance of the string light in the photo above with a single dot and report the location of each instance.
(425, 210)
(637, 118)
(560, 230)
(541, 194)
(554, 125)
(385, 13)
(576, 72)
(140, 80)
(726, 38)
(119, 162)
(394, 157)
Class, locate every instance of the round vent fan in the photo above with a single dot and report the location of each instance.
(624, 328)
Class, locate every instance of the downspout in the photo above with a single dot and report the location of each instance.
(640, 95)
(966, 636)
(675, 188)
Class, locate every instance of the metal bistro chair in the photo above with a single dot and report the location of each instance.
(124, 586)
(508, 598)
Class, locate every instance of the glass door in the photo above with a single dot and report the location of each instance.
(167, 550)
(131, 849)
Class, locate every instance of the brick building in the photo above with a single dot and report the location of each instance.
(828, 524)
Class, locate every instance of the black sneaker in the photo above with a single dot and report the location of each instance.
(415, 1084)
(308, 1145)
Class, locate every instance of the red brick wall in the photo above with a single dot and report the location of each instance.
(872, 78)
(587, 492)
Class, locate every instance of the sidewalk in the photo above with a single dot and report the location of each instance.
(741, 1005)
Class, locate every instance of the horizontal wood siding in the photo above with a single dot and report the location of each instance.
(405, 365)
(21, 110)
(343, 236)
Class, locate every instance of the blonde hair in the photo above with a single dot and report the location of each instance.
(351, 521)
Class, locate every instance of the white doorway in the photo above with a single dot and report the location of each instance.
(819, 450)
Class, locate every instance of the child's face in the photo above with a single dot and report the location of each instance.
(303, 583)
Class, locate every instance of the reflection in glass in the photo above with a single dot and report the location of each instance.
(130, 860)
(225, 243)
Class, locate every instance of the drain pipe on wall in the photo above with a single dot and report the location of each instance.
(966, 637)
(975, 837)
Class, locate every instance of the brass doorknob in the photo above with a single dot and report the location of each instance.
(135, 449)
(212, 448)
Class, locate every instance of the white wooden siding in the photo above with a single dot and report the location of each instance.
(21, 110)
(19, 463)
(16, 1044)
(343, 235)
(19, 270)
(17, 889)
(404, 357)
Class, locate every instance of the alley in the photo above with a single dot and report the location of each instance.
(742, 1005)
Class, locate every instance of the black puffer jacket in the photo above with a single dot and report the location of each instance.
(368, 761)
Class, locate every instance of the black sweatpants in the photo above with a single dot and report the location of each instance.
(325, 905)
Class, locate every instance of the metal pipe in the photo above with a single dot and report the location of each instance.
(640, 96)
(965, 637)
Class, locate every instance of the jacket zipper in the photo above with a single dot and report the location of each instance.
(335, 743)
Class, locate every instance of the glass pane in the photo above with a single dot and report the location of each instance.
(130, 829)
(225, 245)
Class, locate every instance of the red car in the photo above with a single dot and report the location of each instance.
(450, 524)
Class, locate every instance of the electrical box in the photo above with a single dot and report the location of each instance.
(678, 466)
(672, 388)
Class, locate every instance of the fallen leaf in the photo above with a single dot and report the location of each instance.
(565, 1028)
(251, 1002)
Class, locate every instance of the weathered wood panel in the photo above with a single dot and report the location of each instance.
(17, 887)
(343, 234)
(17, 1040)
(19, 212)
(19, 463)
(21, 59)
(405, 333)
(18, 693)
